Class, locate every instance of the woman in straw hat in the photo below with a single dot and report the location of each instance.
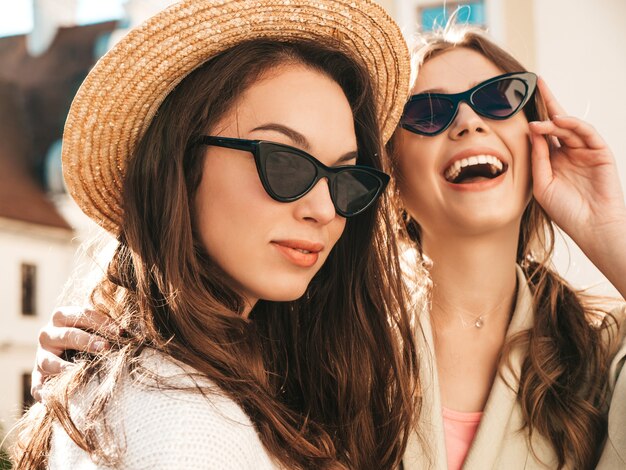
(253, 300)
(525, 367)
(518, 351)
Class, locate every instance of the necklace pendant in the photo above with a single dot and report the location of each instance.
(479, 322)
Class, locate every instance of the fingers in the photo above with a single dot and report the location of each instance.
(49, 364)
(565, 137)
(66, 331)
(36, 385)
(581, 134)
(571, 132)
(83, 318)
(56, 339)
(585, 131)
(553, 106)
(53, 341)
(540, 163)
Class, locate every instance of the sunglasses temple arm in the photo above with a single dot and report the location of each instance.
(236, 144)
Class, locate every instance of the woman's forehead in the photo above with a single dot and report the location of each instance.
(295, 101)
(454, 71)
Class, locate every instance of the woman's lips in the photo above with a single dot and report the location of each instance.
(299, 252)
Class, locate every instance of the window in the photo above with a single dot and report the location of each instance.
(27, 398)
(469, 12)
(29, 289)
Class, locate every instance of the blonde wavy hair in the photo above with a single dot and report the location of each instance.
(562, 388)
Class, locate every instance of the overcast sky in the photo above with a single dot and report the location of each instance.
(16, 16)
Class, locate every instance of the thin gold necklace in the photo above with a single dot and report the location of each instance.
(479, 321)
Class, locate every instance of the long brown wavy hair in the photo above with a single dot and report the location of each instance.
(562, 387)
(329, 379)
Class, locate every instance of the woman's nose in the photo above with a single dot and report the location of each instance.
(467, 122)
(317, 204)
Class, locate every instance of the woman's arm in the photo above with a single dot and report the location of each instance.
(69, 328)
(577, 184)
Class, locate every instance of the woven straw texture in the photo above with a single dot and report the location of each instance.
(118, 99)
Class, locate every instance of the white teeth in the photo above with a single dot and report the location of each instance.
(306, 252)
(455, 169)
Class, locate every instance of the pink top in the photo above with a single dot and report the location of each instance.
(459, 428)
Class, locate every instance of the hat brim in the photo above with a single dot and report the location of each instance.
(118, 99)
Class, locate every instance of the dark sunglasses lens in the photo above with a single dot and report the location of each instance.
(354, 189)
(428, 115)
(288, 174)
(500, 99)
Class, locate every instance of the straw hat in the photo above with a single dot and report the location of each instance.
(122, 93)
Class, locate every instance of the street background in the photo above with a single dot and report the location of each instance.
(48, 46)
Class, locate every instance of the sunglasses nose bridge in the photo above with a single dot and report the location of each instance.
(318, 202)
(457, 102)
(468, 99)
(468, 105)
(466, 119)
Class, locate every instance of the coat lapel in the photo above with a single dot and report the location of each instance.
(429, 451)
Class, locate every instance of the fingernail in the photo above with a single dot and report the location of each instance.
(99, 346)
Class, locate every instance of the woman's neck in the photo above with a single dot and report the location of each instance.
(474, 277)
(248, 304)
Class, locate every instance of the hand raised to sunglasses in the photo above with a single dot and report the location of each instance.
(577, 184)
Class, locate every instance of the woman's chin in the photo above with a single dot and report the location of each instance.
(284, 293)
(488, 224)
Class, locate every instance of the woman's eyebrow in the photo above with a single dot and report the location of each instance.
(292, 134)
(431, 90)
(300, 140)
(347, 157)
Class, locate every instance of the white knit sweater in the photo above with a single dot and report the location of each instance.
(168, 429)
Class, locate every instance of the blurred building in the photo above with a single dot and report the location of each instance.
(37, 242)
(40, 226)
(36, 257)
(36, 252)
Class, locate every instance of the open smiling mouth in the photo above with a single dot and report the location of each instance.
(475, 169)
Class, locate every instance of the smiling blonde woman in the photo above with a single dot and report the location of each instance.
(524, 368)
